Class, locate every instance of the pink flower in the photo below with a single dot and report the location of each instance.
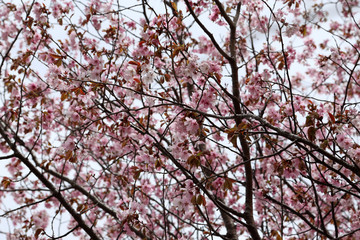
(72, 38)
(96, 23)
(215, 13)
(334, 25)
(56, 10)
(69, 145)
(217, 137)
(131, 25)
(343, 141)
(40, 219)
(191, 125)
(32, 86)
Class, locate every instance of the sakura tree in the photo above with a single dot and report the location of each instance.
(189, 119)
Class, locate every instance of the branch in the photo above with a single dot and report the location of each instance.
(208, 33)
(49, 185)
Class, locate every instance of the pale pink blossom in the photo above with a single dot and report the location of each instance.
(40, 219)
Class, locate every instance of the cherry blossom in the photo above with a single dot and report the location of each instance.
(179, 119)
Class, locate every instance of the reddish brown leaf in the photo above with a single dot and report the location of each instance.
(332, 118)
